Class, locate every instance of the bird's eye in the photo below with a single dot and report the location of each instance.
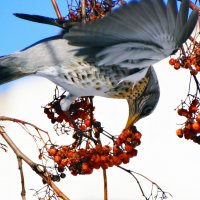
(147, 110)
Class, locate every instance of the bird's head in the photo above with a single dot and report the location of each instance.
(143, 105)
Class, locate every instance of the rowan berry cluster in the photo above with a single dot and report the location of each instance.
(85, 160)
(93, 10)
(87, 152)
(191, 128)
(80, 114)
(188, 60)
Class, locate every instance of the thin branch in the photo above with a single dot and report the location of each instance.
(78, 131)
(23, 125)
(4, 147)
(197, 82)
(23, 192)
(42, 172)
(83, 10)
(193, 6)
(152, 182)
(57, 10)
(3, 118)
(138, 182)
(105, 185)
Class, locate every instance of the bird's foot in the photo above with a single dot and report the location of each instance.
(66, 102)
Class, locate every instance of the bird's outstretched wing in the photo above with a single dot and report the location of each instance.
(138, 34)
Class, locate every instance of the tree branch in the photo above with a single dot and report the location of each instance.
(41, 172)
(23, 192)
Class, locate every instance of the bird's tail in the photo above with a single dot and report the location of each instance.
(8, 71)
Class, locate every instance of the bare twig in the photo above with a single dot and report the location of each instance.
(23, 192)
(4, 147)
(197, 82)
(105, 185)
(129, 171)
(3, 118)
(159, 190)
(78, 130)
(23, 125)
(83, 10)
(193, 6)
(56, 8)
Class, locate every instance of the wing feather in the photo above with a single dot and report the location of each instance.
(137, 34)
(171, 14)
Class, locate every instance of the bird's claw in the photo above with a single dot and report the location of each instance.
(66, 101)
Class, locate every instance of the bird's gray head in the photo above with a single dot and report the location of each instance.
(146, 102)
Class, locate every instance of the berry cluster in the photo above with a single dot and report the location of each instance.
(189, 60)
(93, 10)
(84, 160)
(191, 128)
(87, 152)
(80, 114)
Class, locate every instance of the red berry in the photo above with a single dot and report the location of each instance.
(59, 119)
(82, 127)
(57, 159)
(118, 142)
(177, 65)
(87, 122)
(179, 133)
(52, 151)
(182, 112)
(132, 153)
(188, 125)
(46, 110)
(172, 61)
(63, 163)
(116, 161)
(129, 148)
(137, 135)
(50, 115)
(195, 102)
(193, 109)
(198, 118)
(193, 72)
(104, 158)
(125, 159)
(187, 64)
(61, 169)
(196, 126)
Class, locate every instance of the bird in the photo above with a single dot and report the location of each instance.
(111, 57)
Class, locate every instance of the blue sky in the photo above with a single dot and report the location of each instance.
(17, 33)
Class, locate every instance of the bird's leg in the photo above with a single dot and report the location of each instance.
(66, 102)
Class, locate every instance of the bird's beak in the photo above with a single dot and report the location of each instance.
(132, 120)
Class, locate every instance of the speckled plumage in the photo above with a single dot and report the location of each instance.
(110, 57)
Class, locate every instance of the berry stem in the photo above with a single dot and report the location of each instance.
(78, 131)
(57, 10)
(105, 185)
(197, 82)
(83, 10)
